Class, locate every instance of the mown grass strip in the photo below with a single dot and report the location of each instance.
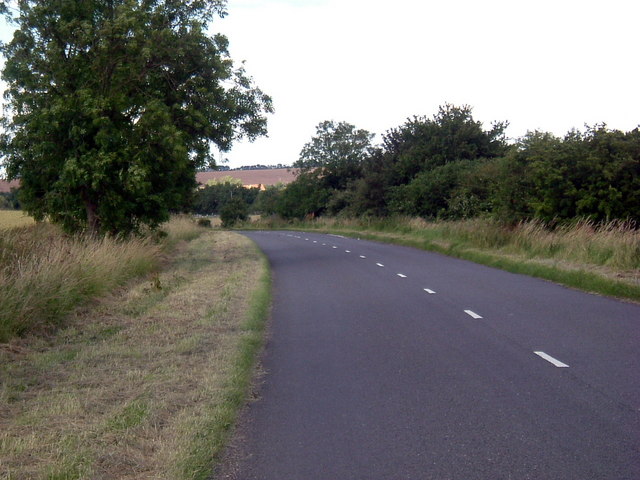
(207, 447)
(143, 383)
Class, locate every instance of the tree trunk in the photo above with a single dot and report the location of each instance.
(93, 219)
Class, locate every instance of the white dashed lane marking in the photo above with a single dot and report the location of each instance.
(552, 360)
(471, 313)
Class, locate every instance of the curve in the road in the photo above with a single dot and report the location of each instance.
(388, 362)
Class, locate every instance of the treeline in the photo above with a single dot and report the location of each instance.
(233, 202)
(450, 167)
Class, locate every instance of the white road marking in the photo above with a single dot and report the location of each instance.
(339, 236)
(334, 247)
(401, 275)
(347, 251)
(552, 360)
(315, 241)
(472, 314)
(362, 256)
(429, 291)
(307, 239)
(324, 244)
(380, 265)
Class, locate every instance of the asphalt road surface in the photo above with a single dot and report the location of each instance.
(387, 362)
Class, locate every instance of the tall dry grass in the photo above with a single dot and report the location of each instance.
(614, 244)
(44, 273)
(148, 381)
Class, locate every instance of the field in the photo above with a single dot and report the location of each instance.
(264, 177)
(144, 382)
(14, 218)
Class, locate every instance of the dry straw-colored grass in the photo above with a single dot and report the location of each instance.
(129, 386)
(14, 218)
(614, 244)
(44, 273)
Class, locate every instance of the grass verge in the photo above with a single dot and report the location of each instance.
(142, 383)
(44, 273)
(14, 218)
(603, 259)
(210, 437)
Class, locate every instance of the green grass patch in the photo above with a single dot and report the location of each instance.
(130, 416)
(213, 433)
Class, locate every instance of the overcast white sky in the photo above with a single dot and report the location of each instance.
(547, 64)
(550, 65)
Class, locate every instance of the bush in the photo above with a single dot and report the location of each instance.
(236, 210)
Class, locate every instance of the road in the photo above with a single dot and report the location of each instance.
(387, 362)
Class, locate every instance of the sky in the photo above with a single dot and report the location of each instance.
(549, 65)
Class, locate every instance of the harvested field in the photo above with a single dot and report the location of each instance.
(14, 218)
(264, 177)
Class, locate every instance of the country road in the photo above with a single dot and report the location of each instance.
(387, 362)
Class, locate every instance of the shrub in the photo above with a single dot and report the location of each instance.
(234, 211)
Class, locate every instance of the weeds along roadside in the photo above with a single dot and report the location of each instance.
(599, 258)
(145, 382)
(44, 274)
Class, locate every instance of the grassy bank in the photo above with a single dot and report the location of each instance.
(44, 273)
(144, 382)
(602, 258)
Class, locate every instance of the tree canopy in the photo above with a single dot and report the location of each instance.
(449, 166)
(114, 104)
(337, 151)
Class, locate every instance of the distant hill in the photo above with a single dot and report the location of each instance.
(5, 186)
(251, 178)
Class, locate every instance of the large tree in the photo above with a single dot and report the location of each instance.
(336, 153)
(423, 143)
(113, 105)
